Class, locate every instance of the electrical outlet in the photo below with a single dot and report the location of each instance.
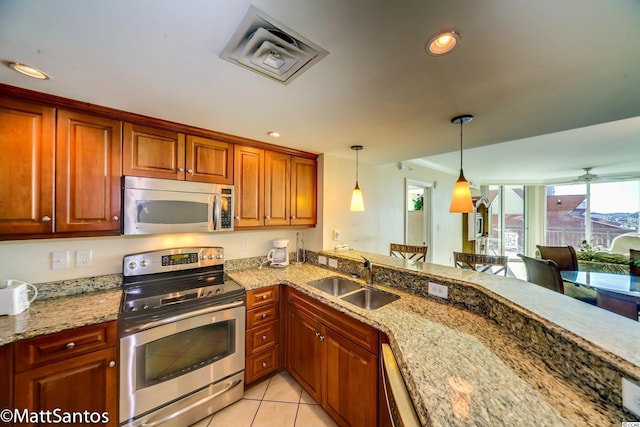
(631, 396)
(244, 245)
(59, 260)
(438, 290)
(333, 263)
(322, 260)
(83, 257)
(336, 235)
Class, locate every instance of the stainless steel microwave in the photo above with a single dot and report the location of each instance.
(159, 206)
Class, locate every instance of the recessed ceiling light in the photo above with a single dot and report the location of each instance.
(28, 70)
(274, 134)
(442, 43)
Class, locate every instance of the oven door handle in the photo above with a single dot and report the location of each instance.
(183, 316)
(191, 406)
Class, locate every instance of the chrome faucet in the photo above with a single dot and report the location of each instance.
(368, 271)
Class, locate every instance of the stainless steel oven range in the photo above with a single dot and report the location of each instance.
(182, 342)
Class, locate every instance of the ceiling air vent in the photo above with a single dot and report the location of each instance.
(267, 47)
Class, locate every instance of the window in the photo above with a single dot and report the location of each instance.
(595, 213)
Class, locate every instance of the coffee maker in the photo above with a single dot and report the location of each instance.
(279, 255)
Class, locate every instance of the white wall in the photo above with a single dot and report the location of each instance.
(382, 222)
(372, 230)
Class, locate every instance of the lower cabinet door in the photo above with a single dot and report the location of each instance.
(351, 382)
(80, 387)
(304, 351)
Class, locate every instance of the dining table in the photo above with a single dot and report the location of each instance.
(619, 293)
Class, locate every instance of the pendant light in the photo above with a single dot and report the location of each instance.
(357, 204)
(461, 200)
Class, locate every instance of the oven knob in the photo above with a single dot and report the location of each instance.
(144, 263)
(219, 256)
(218, 291)
(134, 308)
(144, 307)
(202, 257)
(210, 256)
(209, 294)
(133, 265)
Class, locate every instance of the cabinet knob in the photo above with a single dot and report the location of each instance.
(293, 217)
(267, 217)
(190, 171)
(112, 363)
(264, 338)
(237, 217)
(264, 364)
(70, 345)
(46, 219)
(116, 218)
(264, 315)
(264, 296)
(180, 169)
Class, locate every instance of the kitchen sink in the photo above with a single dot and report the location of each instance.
(336, 286)
(370, 299)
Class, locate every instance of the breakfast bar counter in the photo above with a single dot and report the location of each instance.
(439, 346)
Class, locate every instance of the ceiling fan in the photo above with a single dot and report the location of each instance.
(591, 178)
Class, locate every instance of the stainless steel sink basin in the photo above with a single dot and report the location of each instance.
(370, 299)
(336, 286)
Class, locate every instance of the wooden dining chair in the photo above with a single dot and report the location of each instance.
(634, 256)
(495, 264)
(543, 272)
(564, 256)
(412, 252)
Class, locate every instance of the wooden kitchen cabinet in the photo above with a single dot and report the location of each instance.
(74, 371)
(273, 189)
(27, 140)
(335, 359)
(88, 160)
(263, 337)
(6, 376)
(161, 153)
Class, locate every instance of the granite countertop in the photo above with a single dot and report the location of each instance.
(441, 349)
(65, 305)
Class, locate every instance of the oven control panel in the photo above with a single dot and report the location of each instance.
(176, 259)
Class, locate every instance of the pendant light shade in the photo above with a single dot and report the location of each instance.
(357, 203)
(461, 201)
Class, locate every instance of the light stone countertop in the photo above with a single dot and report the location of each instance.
(437, 343)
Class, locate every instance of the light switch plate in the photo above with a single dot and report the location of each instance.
(83, 257)
(438, 290)
(631, 396)
(59, 260)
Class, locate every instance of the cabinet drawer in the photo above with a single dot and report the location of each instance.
(261, 364)
(63, 345)
(261, 338)
(261, 316)
(263, 296)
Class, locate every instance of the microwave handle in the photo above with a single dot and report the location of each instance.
(217, 206)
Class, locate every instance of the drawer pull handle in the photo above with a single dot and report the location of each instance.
(317, 334)
(116, 218)
(264, 315)
(321, 337)
(70, 345)
(46, 219)
(112, 363)
(264, 364)
(264, 338)
(264, 296)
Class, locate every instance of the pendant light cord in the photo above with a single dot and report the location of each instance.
(357, 167)
(460, 146)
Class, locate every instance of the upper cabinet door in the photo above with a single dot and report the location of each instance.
(303, 191)
(27, 133)
(87, 173)
(153, 153)
(209, 160)
(277, 195)
(249, 186)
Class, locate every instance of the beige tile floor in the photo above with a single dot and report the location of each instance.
(277, 401)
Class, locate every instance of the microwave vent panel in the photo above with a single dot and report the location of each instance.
(267, 47)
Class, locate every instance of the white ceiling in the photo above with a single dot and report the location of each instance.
(529, 71)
